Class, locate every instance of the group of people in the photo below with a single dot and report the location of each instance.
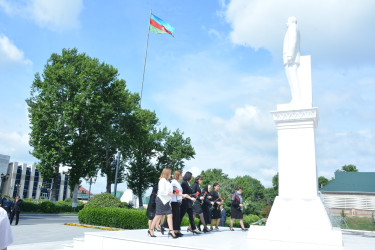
(12, 208)
(174, 199)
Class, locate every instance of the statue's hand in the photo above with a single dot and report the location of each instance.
(289, 60)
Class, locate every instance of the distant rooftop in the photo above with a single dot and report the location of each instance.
(351, 182)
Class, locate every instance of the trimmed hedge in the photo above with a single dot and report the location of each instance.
(46, 206)
(104, 200)
(247, 220)
(114, 217)
(135, 219)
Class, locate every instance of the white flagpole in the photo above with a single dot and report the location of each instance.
(144, 65)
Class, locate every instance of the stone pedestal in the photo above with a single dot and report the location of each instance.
(297, 215)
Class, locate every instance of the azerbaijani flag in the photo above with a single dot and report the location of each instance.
(159, 26)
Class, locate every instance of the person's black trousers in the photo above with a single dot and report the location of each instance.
(183, 210)
(176, 216)
(17, 213)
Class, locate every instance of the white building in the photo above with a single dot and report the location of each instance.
(26, 181)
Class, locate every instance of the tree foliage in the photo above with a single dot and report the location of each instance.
(322, 181)
(348, 168)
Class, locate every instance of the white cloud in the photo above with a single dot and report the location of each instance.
(16, 144)
(10, 54)
(330, 30)
(57, 15)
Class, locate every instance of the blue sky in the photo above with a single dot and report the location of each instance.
(217, 79)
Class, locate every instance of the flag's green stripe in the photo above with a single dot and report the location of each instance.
(156, 30)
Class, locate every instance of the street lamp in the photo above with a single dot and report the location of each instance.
(90, 180)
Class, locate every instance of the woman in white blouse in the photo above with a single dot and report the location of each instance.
(176, 203)
(163, 203)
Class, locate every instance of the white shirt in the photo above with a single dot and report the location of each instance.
(6, 236)
(165, 187)
(176, 184)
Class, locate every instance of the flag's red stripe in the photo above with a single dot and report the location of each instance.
(159, 26)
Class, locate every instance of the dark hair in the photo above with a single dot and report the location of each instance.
(216, 184)
(197, 179)
(187, 176)
(238, 188)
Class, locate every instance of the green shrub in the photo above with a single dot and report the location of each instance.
(103, 200)
(68, 200)
(114, 217)
(47, 207)
(30, 205)
(247, 220)
(124, 205)
(185, 221)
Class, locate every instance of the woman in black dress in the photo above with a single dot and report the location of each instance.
(236, 208)
(197, 205)
(216, 213)
(150, 213)
(207, 203)
(187, 203)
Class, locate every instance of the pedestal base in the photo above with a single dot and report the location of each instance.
(298, 220)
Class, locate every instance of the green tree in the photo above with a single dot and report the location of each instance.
(210, 176)
(322, 181)
(275, 182)
(145, 140)
(174, 151)
(348, 168)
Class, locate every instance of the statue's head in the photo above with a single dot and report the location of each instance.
(291, 20)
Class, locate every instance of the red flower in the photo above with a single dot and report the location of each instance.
(219, 197)
(196, 195)
(205, 192)
(177, 191)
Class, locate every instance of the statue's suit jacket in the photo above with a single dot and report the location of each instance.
(291, 44)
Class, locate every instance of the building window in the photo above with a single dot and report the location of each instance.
(35, 184)
(27, 181)
(58, 187)
(65, 187)
(17, 182)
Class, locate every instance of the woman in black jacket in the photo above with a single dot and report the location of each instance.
(236, 208)
(216, 213)
(150, 213)
(187, 204)
(197, 206)
(207, 203)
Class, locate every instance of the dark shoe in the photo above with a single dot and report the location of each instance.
(173, 235)
(199, 228)
(205, 230)
(162, 229)
(231, 229)
(196, 232)
(151, 235)
(179, 234)
(244, 229)
(157, 229)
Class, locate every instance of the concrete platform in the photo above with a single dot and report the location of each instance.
(223, 239)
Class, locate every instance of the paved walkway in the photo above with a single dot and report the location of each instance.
(45, 232)
(48, 232)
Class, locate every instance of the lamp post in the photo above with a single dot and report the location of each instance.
(90, 180)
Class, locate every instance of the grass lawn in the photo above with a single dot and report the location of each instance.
(359, 223)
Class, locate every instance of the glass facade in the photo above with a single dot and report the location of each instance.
(27, 181)
(35, 184)
(46, 188)
(58, 186)
(17, 182)
(65, 187)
